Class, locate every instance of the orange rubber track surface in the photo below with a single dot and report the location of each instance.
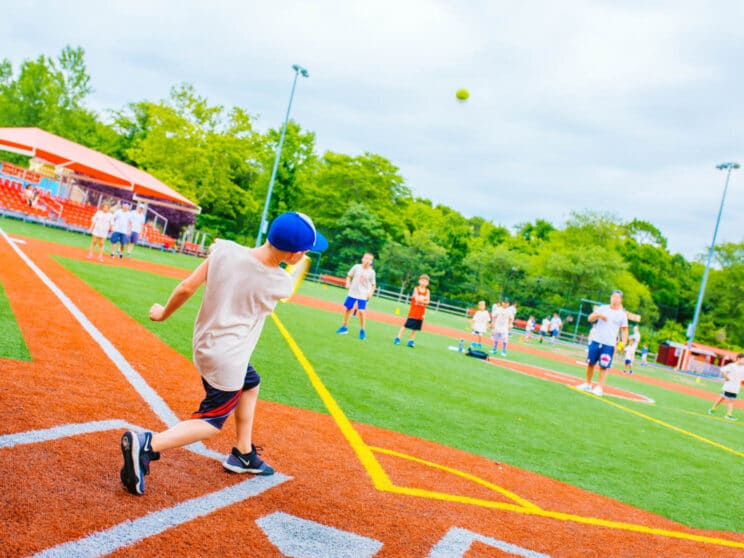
(62, 490)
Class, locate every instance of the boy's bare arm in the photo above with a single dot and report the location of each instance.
(180, 294)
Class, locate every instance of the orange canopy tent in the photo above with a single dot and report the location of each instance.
(59, 151)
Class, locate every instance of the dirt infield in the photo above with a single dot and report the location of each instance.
(383, 493)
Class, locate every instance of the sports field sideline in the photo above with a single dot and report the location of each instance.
(402, 449)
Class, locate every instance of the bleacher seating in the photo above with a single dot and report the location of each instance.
(75, 215)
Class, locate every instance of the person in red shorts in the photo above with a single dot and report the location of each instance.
(419, 301)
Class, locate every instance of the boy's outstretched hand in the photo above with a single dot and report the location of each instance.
(156, 312)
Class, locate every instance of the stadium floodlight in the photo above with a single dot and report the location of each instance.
(264, 226)
(728, 167)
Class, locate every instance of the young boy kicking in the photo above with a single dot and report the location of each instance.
(243, 286)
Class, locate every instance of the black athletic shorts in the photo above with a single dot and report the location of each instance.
(414, 324)
(729, 395)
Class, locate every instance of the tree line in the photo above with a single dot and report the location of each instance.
(215, 156)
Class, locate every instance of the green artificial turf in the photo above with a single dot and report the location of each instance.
(80, 240)
(444, 396)
(12, 345)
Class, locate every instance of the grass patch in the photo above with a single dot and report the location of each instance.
(12, 345)
(79, 240)
(464, 403)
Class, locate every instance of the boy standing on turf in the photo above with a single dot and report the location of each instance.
(630, 350)
(733, 374)
(555, 327)
(544, 328)
(501, 320)
(243, 286)
(480, 320)
(608, 319)
(419, 301)
(360, 282)
(122, 226)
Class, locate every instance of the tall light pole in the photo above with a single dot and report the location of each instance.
(728, 167)
(264, 226)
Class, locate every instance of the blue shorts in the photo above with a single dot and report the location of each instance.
(119, 238)
(600, 353)
(361, 303)
(555, 332)
(133, 237)
(218, 404)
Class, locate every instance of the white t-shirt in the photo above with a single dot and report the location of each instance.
(555, 323)
(502, 318)
(121, 221)
(736, 376)
(605, 331)
(239, 294)
(634, 339)
(545, 326)
(101, 222)
(530, 325)
(480, 320)
(362, 281)
(138, 220)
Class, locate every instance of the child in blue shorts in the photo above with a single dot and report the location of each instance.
(360, 281)
(243, 286)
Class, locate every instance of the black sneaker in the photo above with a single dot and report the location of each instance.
(238, 462)
(137, 453)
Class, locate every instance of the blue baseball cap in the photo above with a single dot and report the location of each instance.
(617, 291)
(295, 232)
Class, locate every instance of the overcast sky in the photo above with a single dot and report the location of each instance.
(624, 107)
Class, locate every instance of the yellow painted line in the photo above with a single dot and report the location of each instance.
(382, 481)
(503, 491)
(369, 461)
(704, 415)
(666, 425)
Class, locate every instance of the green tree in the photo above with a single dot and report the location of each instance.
(357, 231)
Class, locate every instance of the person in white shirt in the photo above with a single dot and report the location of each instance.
(529, 328)
(241, 289)
(608, 319)
(555, 327)
(501, 322)
(544, 328)
(360, 282)
(122, 226)
(630, 350)
(137, 218)
(733, 375)
(479, 323)
(100, 225)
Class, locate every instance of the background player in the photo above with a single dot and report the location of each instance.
(630, 350)
(360, 282)
(419, 301)
(479, 324)
(501, 320)
(733, 374)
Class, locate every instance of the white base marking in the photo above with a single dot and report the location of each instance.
(133, 531)
(300, 538)
(458, 541)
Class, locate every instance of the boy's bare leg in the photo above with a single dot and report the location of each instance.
(413, 334)
(361, 318)
(347, 313)
(401, 332)
(244, 413)
(589, 373)
(602, 376)
(183, 434)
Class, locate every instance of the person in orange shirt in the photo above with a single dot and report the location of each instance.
(419, 301)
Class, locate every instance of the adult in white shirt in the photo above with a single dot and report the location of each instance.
(121, 226)
(501, 320)
(360, 281)
(608, 319)
(733, 375)
(137, 218)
